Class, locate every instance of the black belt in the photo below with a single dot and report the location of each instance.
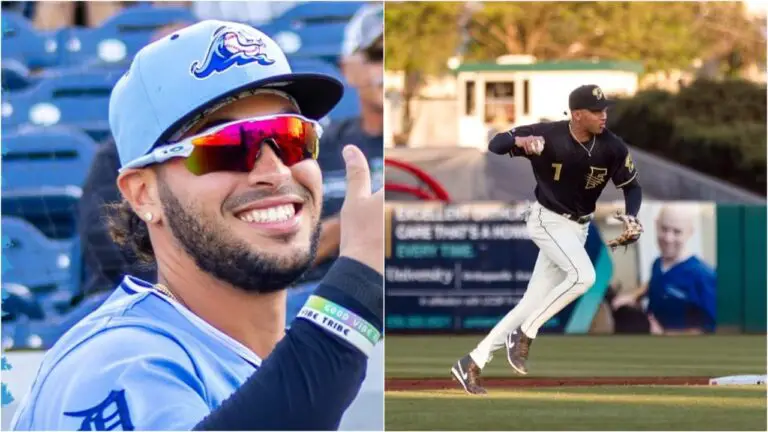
(577, 219)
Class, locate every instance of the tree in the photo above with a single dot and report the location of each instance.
(420, 38)
(732, 40)
(661, 35)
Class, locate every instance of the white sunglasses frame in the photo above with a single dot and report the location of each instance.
(184, 147)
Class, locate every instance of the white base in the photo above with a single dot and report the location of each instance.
(739, 380)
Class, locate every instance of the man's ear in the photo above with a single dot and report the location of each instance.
(139, 188)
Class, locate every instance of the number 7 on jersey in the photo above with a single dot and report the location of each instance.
(557, 167)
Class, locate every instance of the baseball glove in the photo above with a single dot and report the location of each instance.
(632, 231)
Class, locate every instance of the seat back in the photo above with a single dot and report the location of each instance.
(73, 97)
(21, 41)
(119, 38)
(36, 157)
(33, 260)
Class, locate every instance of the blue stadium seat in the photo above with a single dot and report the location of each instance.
(54, 156)
(74, 97)
(313, 12)
(45, 333)
(42, 264)
(21, 41)
(120, 37)
(19, 301)
(15, 75)
(321, 41)
(52, 210)
(349, 106)
(9, 334)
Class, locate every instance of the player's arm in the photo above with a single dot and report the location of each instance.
(313, 374)
(517, 141)
(625, 178)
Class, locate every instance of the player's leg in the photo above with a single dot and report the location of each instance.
(563, 243)
(546, 275)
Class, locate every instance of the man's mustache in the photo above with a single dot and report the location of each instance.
(258, 194)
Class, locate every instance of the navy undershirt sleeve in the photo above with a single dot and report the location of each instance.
(633, 197)
(312, 376)
(504, 142)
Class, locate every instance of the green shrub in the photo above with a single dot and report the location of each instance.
(717, 128)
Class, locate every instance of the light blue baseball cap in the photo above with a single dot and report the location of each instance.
(176, 80)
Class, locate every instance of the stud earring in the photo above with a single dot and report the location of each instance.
(148, 217)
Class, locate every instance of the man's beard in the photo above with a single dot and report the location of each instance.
(229, 259)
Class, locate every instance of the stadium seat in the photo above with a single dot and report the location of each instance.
(321, 41)
(45, 333)
(313, 12)
(52, 210)
(42, 264)
(15, 75)
(349, 106)
(21, 41)
(74, 97)
(19, 301)
(55, 156)
(10, 340)
(119, 38)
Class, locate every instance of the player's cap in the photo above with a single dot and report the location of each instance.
(177, 79)
(365, 29)
(588, 97)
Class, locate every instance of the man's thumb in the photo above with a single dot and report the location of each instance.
(358, 173)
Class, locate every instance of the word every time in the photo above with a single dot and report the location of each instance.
(501, 231)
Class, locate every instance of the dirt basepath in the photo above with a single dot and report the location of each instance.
(394, 384)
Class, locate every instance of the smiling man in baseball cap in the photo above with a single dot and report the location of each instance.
(218, 141)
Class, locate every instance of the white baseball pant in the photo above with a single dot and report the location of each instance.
(562, 273)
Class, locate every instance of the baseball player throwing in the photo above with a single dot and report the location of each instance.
(218, 141)
(572, 161)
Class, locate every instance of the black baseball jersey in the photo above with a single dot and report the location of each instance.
(570, 176)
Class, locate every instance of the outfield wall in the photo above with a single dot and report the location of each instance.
(455, 268)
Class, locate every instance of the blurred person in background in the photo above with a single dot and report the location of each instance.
(55, 15)
(362, 66)
(681, 292)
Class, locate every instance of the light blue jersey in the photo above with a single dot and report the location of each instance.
(141, 361)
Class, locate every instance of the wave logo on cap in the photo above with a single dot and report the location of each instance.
(230, 47)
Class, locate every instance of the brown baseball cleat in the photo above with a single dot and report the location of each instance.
(467, 373)
(518, 345)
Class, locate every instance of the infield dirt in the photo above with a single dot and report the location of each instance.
(398, 384)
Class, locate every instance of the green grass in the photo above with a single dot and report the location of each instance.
(587, 356)
(595, 408)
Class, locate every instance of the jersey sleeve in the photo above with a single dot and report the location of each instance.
(504, 142)
(624, 171)
(127, 378)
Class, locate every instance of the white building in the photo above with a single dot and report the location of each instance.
(501, 95)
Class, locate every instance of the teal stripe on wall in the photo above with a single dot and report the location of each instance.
(587, 306)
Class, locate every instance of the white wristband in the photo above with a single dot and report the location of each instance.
(342, 322)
